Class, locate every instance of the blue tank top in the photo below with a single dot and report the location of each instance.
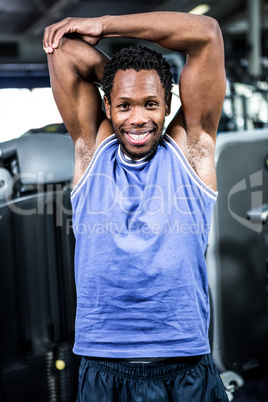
(141, 230)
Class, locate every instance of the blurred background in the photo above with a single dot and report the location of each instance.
(37, 295)
(24, 75)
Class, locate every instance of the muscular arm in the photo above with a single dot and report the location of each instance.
(73, 68)
(202, 81)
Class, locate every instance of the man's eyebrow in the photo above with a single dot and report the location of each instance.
(145, 97)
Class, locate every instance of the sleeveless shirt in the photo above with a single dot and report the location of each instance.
(141, 230)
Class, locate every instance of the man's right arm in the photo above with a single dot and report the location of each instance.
(74, 67)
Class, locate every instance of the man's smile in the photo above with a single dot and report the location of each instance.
(137, 137)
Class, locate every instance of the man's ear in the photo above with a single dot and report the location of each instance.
(107, 107)
(168, 105)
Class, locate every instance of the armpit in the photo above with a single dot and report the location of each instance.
(83, 158)
(200, 156)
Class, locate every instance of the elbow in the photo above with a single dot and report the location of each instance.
(208, 35)
(214, 34)
(66, 45)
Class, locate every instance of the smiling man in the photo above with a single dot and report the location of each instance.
(139, 100)
(142, 203)
(139, 130)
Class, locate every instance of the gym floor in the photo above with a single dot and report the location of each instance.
(255, 389)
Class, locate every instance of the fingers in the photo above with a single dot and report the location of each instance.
(47, 49)
(91, 27)
(54, 33)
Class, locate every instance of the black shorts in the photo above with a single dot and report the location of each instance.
(194, 379)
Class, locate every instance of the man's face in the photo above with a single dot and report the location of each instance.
(137, 111)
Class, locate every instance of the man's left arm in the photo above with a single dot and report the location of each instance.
(202, 81)
(202, 88)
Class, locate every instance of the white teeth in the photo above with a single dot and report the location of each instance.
(138, 137)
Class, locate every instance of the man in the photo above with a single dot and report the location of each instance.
(142, 203)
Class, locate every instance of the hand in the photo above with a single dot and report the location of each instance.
(89, 29)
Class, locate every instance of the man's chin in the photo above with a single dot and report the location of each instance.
(139, 154)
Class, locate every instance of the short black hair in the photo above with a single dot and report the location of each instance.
(136, 58)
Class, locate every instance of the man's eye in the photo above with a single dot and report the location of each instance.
(124, 106)
(151, 104)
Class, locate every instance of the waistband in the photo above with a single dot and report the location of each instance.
(146, 360)
(148, 370)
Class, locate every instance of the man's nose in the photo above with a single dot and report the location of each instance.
(138, 116)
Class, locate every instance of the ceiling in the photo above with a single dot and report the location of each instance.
(22, 22)
(29, 17)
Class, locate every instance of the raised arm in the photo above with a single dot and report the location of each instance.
(74, 67)
(202, 81)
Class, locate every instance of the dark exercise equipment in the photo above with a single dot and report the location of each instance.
(37, 293)
(237, 254)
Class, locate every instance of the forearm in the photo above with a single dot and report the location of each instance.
(173, 30)
(181, 32)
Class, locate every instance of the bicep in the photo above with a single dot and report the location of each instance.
(202, 88)
(202, 92)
